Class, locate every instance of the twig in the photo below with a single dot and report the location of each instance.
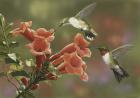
(12, 83)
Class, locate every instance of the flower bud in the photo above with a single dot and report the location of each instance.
(34, 86)
(51, 76)
(38, 67)
(25, 81)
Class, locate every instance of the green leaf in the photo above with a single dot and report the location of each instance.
(30, 63)
(3, 54)
(9, 27)
(29, 95)
(16, 67)
(2, 20)
(11, 58)
(19, 73)
(46, 64)
(11, 61)
(14, 44)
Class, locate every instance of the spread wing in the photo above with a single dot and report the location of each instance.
(86, 11)
(121, 50)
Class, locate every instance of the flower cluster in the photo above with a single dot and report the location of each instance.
(39, 46)
(40, 41)
(69, 59)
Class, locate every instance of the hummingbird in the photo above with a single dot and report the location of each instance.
(111, 59)
(78, 22)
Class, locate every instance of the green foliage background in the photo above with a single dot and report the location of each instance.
(116, 21)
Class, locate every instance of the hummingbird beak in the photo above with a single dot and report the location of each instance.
(61, 24)
(100, 49)
(95, 47)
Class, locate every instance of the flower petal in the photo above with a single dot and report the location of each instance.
(58, 61)
(25, 25)
(80, 41)
(50, 39)
(25, 30)
(55, 56)
(84, 77)
(29, 34)
(84, 52)
(40, 59)
(62, 68)
(43, 32)
(76, 61)
(39, 47)
(68, 49)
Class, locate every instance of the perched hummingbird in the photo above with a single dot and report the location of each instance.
(78, 22)
(111, 59)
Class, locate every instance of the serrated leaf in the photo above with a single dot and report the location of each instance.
(19, 73)
(2, 20)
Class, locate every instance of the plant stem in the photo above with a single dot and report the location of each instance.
(12, 83)
(9, 51)
(36, 80)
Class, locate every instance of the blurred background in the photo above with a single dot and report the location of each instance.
(116, 21)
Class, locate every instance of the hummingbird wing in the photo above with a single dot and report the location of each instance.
(116, 53)
(86, 11)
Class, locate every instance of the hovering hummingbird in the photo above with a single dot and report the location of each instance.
(111, 59)
(78, 22)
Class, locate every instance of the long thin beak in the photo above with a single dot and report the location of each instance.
(60, 25)
(94, 47)
(57, 27)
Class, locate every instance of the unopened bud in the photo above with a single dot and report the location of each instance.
(34, 86)
(38, 67)
(25, 81)
(51, 76)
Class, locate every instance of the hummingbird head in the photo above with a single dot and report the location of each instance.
(103, 50)
(63, 22)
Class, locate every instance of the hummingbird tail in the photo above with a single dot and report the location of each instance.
(119, 73)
